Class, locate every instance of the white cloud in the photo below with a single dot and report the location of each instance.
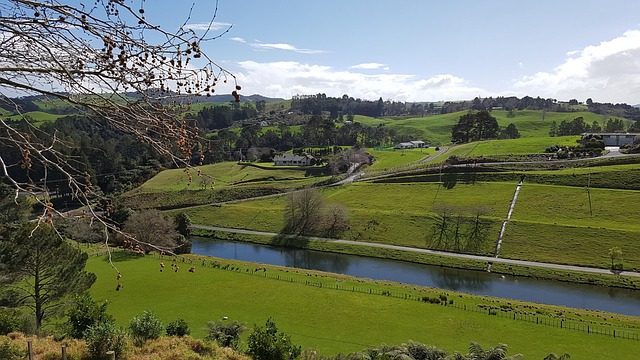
(370, 66)
(282, 46)
(285, 79)
(238, 39)
(208, 26)
(609, 71)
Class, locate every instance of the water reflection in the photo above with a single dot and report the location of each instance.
(475, 282)
(458, 280)
(304, 259)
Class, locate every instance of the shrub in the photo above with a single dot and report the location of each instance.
(225, 334)
(146, 326)
(84, 313)
(105, 336)
(9, 321)
(265, 343)
(179, 327)
(10, 352)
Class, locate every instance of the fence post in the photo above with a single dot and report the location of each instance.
(64, 352)
(111, 355)
(30, 349)
(588, 330)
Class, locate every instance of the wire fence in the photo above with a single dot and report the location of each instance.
(441, 300)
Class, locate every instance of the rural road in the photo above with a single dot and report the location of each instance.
(433, 252)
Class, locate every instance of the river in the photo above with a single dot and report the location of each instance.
(615, 300)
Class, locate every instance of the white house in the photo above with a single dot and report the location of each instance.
(415, 144)
(404, 145)
(289, 159)
(418, 144)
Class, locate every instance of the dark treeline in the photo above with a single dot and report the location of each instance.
(114, 161)
(319, 131)
(220, 117)
(346, 105)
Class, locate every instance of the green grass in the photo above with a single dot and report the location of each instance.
(333, 321)
(556, 217)
(569, 206)
(436, 129)
(39, 117)
(392, 158)
(522, 146)
(574, 245)
(228, 174)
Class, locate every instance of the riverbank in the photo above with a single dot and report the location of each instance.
(610, 280)
(335, 313)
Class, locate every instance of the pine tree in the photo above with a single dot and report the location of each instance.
(41, 269)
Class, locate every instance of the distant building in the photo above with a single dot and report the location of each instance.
(289, 159)
(614, 139)
(416, 144)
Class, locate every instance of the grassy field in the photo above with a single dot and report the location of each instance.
(251, 293)
(523, 146)
(391, 158)
(436, 129)
(228, 174)
(39, 117)
(548, 221)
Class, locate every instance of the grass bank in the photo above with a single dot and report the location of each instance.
(428, 259)
(334, 314)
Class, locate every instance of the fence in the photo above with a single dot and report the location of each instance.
(507, 313)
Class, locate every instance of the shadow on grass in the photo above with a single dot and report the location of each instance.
(122, 255)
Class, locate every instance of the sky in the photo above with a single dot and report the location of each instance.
(420, 50)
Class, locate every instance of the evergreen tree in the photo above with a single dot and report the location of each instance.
(475, 126)
(42, 269)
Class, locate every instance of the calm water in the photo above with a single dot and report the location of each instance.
(475, 282)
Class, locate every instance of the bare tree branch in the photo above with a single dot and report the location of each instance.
(107, 60)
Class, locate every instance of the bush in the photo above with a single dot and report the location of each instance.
(146, 326)
(10, 352)
(85, 313)
(105, 336)
(265, 343)
(225, 334)
(179, 327)
(9, 321)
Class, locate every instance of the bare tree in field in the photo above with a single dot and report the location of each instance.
(335, 219)
(106, 59)
(303, 212)
(155, 230)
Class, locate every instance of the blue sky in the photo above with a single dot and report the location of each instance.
(424, 50)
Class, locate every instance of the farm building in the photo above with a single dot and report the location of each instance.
(415, 144)
(614, 139)
(289, 159)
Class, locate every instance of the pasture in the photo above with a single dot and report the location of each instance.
(310, 312)
(228, 174)
(547, 223)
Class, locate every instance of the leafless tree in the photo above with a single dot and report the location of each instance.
(348, 161)
(104, 58)
(154, 231)
(303, 212)
(335, 219)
